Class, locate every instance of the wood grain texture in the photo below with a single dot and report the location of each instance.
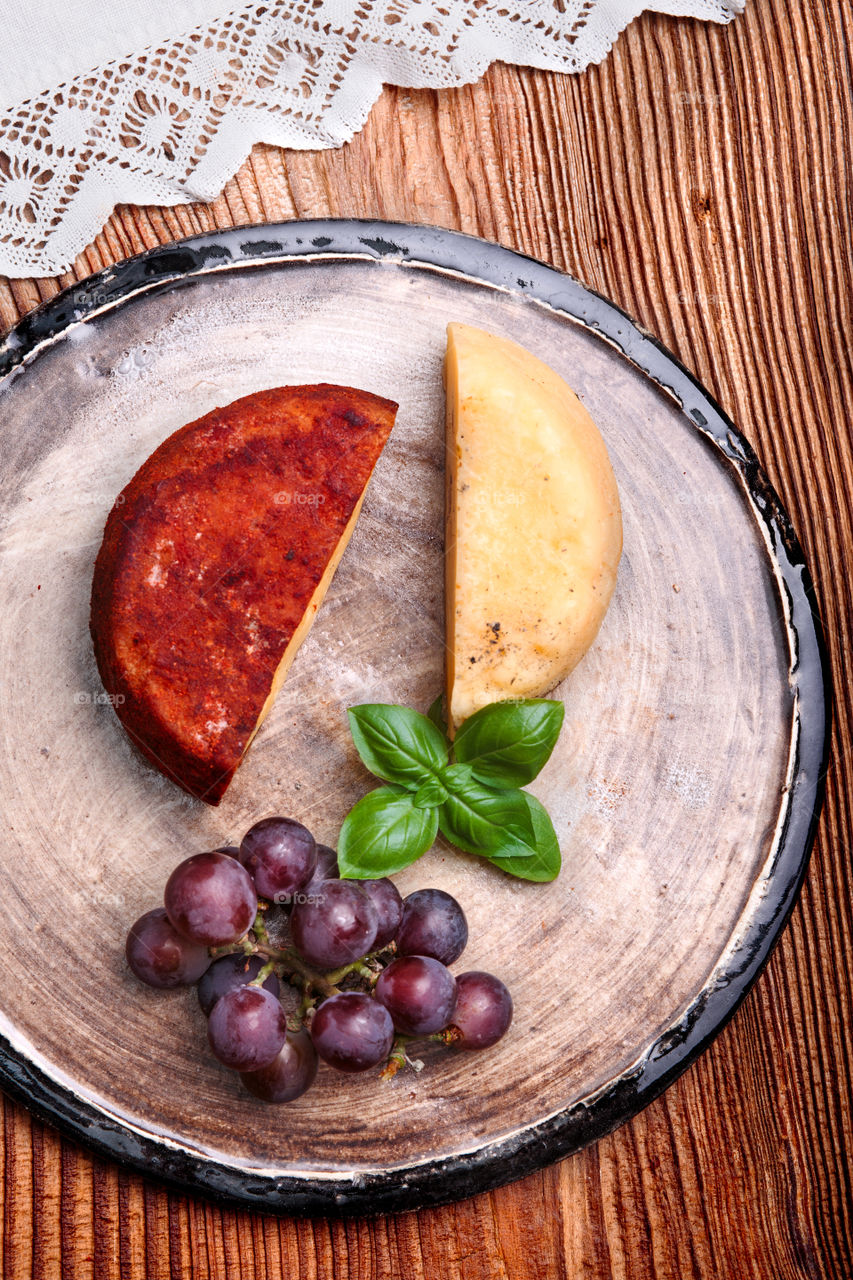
(702, 178)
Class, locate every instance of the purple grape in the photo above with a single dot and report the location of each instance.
(289, 1075)
(158, 954)
(335, 926)
(229, 972)
(210, 898)
(232, 850)
(419, 993)
(385, 897)
(326, 868)
(434, 925)
(352, 1031)
(483, 1010)
(246, 1028)
(280, 855)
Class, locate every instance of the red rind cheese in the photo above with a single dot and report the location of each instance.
(215, 559)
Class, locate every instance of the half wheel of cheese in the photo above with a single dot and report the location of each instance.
(534, 527)
(215, 559)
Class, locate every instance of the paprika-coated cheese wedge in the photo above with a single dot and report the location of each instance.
(215, 559)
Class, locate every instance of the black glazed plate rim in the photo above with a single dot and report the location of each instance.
(451, 1178)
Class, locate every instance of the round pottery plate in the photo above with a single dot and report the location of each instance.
(684, 788)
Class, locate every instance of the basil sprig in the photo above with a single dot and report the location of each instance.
(383, 833)
(469, 790)
(397, 744)
(508, 743)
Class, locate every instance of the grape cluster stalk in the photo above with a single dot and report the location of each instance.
(370, 968)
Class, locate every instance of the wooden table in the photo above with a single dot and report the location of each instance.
(701, 177)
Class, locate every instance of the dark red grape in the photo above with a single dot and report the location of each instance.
(280, 855)
(287, 1076)
(483, 1010)
(210, 898)
(337, 925)
(158, 954)
(419, 993)
(246, 1028)
(434, 925)
(326, 868)
(232, 850)
(352, 1031)
(229, 972)
(385, 897)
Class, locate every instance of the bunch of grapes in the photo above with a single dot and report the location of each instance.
(367, 969)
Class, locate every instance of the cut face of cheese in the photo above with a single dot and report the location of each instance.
(215, 560)
(534, 527)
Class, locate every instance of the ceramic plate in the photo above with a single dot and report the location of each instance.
(684, 788)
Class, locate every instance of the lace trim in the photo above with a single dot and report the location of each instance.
(173, 124)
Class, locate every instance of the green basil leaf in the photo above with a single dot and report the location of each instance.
(546, 860)
(457, 777)
(383, 833)
(482, 820)
(429, 794)
(396, 743)
(436, 714)
(507, 743)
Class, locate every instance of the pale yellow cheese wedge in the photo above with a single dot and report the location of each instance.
(534, 526)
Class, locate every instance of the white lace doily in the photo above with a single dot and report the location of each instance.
(173, 122)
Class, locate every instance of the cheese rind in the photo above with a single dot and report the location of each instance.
(534, 526)
(215, 559)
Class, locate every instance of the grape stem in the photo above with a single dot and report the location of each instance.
(396, 1058)
(356, 966)
(259, 928)
(450, 1035)
(291, 962)
(305, 1004)
(267, 969)
(284, 961)
(294, 964)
